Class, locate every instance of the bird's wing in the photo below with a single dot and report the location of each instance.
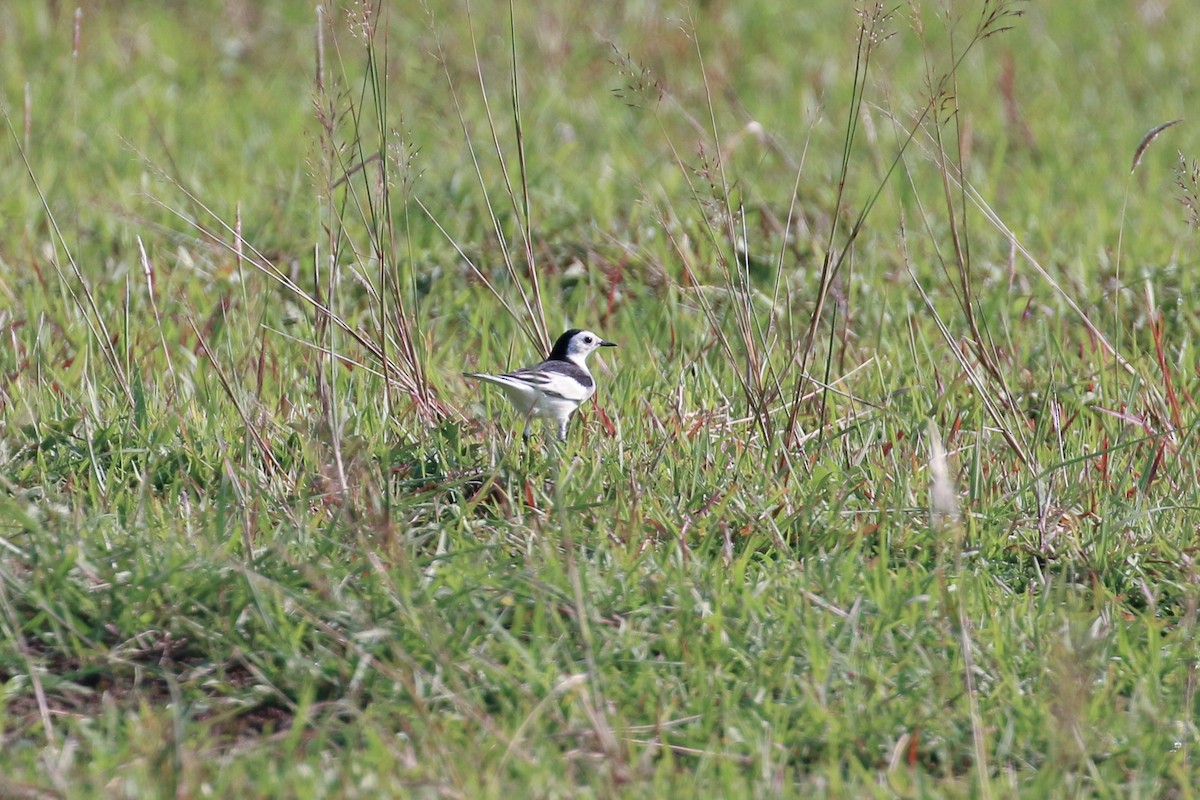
(559, 379)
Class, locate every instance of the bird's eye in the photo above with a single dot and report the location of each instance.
(587, 340)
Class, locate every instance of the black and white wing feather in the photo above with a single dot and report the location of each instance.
(559, 379)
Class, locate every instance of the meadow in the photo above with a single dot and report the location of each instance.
(891, 488)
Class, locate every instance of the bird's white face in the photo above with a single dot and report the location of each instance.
(583, 344)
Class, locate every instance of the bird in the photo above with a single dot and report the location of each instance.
(556, 387)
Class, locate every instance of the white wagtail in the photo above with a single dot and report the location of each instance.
(555, 388)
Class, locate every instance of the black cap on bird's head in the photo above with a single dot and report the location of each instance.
(576, 344)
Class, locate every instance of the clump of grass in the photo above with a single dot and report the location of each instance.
(1187, 178)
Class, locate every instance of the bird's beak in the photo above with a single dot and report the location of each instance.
(607, 344)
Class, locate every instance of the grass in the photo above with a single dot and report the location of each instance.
(890, 489)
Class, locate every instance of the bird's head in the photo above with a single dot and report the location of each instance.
(576, 345)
